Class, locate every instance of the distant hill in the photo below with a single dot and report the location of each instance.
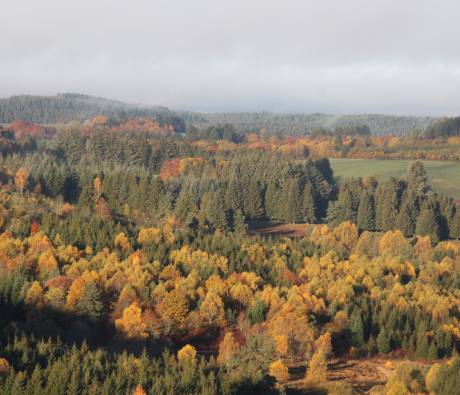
(70, 106)
(297, 124)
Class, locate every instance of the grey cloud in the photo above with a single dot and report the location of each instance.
(329, 56)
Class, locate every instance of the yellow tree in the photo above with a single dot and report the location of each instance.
(131, 324)
(227, 348)
(317, 369)
(187, 354)
(122, 242)
(21, 179)
(212, 310)
(279, 370)
(139, 390)
(97, 185)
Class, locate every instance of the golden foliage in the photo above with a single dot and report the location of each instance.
(4, 366)
(187, 354)
(227, 348)
(131, 324)
(21, 179)
(279, 370)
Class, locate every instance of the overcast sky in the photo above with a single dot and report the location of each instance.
(335, 56)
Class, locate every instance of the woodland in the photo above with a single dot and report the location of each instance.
(126, 264)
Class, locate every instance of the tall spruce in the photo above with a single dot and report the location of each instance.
(366, 211)
(408, 213)
(417, 178)
(428, 222)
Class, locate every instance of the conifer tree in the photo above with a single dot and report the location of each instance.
(417, 178)
(308, 205)
(90, 304)
(366, 211)
(428, 222)
(383, 341)
(407, 215)
(253, 203)
(293, 201)
(390, 205)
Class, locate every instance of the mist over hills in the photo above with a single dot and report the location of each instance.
(70, 106)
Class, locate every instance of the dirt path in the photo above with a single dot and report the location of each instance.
(361, 374)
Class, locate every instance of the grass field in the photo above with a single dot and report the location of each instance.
(444, 176)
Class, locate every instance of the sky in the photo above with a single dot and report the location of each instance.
(332, 56)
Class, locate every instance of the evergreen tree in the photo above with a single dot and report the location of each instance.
(417, 178)
(253, 203)
(389, 205)
(233, 196)
(366, 211)
(428, 222)
(293, 201)
(408, 213)
(383, 341)
(308, 205)
(90, 302)
(239, 222)
(357, 329)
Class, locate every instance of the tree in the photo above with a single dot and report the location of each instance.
(428, 222)
(366, 211)
(90, 302)
(357, 329)
(417, 178)
(408, 213)
(132, 324)
(187, 354)
(212, 310)
(253, 200)
(228, 347)
(279, 370)
(21, 179)
(308, 205)
(383, 341)
(317, 369)
(293, 201)
(389, 205)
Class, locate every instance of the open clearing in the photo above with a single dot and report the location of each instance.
(268, 228)
(444, 176)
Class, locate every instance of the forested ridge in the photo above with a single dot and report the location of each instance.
(67, 107)
(126, 265)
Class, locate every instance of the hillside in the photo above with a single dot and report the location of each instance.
(69, 106)
(298, 124)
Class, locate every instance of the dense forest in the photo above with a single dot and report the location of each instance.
(127, 265)
(301, 124)
(70, 106)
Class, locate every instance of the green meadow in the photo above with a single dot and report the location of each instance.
(444, 176)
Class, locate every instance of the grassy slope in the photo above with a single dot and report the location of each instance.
(444, 176)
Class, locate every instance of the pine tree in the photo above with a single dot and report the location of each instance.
(383, 341)
(366, 211)
(390, 205)
(239, 222)
(455, 227)
(234, 198)
(293, 201)
(308, 205)
(417, 178)
(428, 222)
(272, 200)
(90, 302)
(253, 203)
(357, 329)
(407, 215)
(348, 205)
